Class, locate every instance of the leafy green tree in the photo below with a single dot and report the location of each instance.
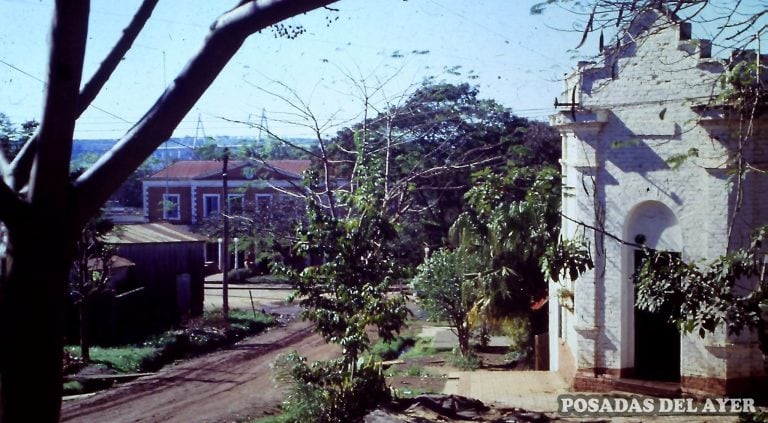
(38, 200)
(344, 290)
(347, 290)
(511, 221)
(427, 148)
(90, 273)
(445, 285)
(13, 138)
(271, 148)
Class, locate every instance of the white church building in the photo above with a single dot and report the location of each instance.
(647, 160)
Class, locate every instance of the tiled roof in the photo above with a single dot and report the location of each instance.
(193, 169)
(296, 167)
(152, 233)
(188, 169)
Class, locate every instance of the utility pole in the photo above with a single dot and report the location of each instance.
(225, 238)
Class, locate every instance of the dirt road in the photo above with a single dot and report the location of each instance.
(228, 385)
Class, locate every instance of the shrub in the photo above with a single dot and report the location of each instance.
(239, 275)
(415, 371)
(326, 392)
(447, 293)
(390, 350)
(422, 348)
(465, 362)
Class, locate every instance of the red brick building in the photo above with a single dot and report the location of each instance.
(187, 192)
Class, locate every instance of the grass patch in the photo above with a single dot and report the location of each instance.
(73, 388)
(269, 279)
(200, 336)
(391, 350)
(126, 359)
(422, 348)
(238, 320)
(284, 417)
(415, 371)
(471, 362)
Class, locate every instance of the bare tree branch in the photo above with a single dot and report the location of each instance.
(108, 66)
(275, 136)
(50, 171)
(23, 161)
(226, 36)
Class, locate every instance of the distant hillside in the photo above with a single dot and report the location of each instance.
(173, 149)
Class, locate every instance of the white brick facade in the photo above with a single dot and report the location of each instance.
(635, 113)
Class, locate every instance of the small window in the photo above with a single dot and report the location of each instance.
(263, 204)
(210, 204)
(236, 203)
(291, 206)
(171, 209)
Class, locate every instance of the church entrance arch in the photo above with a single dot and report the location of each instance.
(652, 344)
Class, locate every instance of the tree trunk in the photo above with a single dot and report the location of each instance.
(462, 331)
(32, 295)
(85, 351)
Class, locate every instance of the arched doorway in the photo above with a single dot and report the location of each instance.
(654, 344)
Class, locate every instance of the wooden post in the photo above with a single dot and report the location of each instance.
(225, 238)
(541, 351)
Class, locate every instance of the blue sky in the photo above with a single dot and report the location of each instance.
(512, 56)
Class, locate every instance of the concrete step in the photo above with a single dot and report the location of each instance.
(648, 387)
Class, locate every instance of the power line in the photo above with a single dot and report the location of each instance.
(45, 84)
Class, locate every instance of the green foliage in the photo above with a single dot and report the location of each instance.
(127, 359)
(348, 289)
(73, 388)
(465, 361)
(517, 330)
(566, 258)
(444, 285)
(238, 319)
(269, 280)
(511, 221)
(426, 149)
(210, 150)
(91, 272)
(240, 274)
(130, 193)
(328, 391)
(704, 297)
(12, 138)
(279, 418)
(201, 337)
(677, 160)
(422, 348)
(390, 350)
(415, 371)
(742, 86)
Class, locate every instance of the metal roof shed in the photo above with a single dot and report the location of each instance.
(169, 265)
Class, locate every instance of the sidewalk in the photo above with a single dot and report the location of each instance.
(535, 391)
(530, 390)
